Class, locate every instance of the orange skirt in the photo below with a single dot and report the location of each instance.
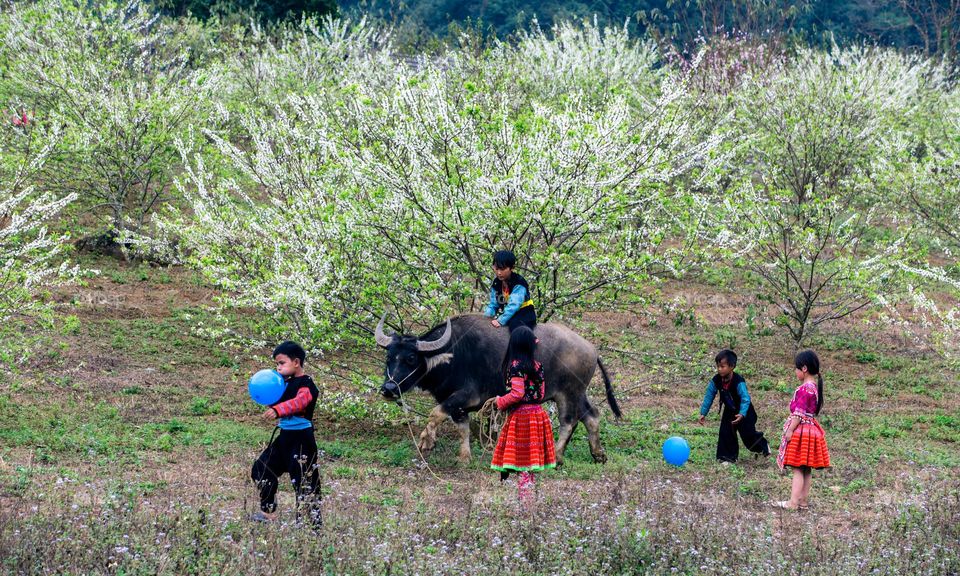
(525, 442)
(806, 447)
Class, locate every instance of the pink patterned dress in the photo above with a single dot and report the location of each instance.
(807, 446)
(526, 439)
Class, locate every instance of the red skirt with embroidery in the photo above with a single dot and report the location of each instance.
(806, 447)
(526, 441)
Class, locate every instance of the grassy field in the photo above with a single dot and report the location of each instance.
(127, 436)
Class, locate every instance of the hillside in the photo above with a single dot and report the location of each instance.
(127, 438)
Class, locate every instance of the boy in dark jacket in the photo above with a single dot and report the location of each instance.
(511, 299)
(294, 450)
(736, 410)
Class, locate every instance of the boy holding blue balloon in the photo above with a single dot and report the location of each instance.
(736, 410)
(294, 450)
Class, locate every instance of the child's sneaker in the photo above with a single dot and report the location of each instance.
(261, 516)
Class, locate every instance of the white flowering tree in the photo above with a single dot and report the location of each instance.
(30, 256)
(925, 170)
(456, 171)
(928, 170)
(596, 64)
(275, 233)
(119, 81)
(816, 134)
(367, 196)
(269, 209)
(310, 57)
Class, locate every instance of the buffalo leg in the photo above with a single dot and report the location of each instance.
(566, 414)
(591, 420)
(428, 438)
(464, 427)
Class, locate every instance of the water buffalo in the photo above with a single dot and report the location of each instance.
(460, 364)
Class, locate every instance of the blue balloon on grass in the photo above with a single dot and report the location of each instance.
(676, 450)
(266, 387)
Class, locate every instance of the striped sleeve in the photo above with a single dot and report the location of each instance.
(294, 405)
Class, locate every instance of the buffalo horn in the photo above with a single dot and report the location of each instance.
(435, 344)
(382, 339)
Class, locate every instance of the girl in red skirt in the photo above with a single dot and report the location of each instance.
(525, 444)
(803, 445)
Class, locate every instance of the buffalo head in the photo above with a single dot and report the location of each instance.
(409, 359)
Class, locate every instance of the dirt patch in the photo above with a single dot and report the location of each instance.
(103, 297)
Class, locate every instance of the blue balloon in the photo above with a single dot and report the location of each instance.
(676, 450)
(266, 387)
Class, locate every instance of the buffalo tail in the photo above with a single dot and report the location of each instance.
(611, 400)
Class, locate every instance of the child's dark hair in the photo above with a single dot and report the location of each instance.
(522, 345)
(809, 359)
(291, 350)
(504, 259)
(728, 356)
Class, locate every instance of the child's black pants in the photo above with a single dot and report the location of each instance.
(727, 446)
(293, 452)
(525, 316)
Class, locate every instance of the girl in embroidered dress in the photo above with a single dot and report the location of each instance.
(525, 444)
(803, 445)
